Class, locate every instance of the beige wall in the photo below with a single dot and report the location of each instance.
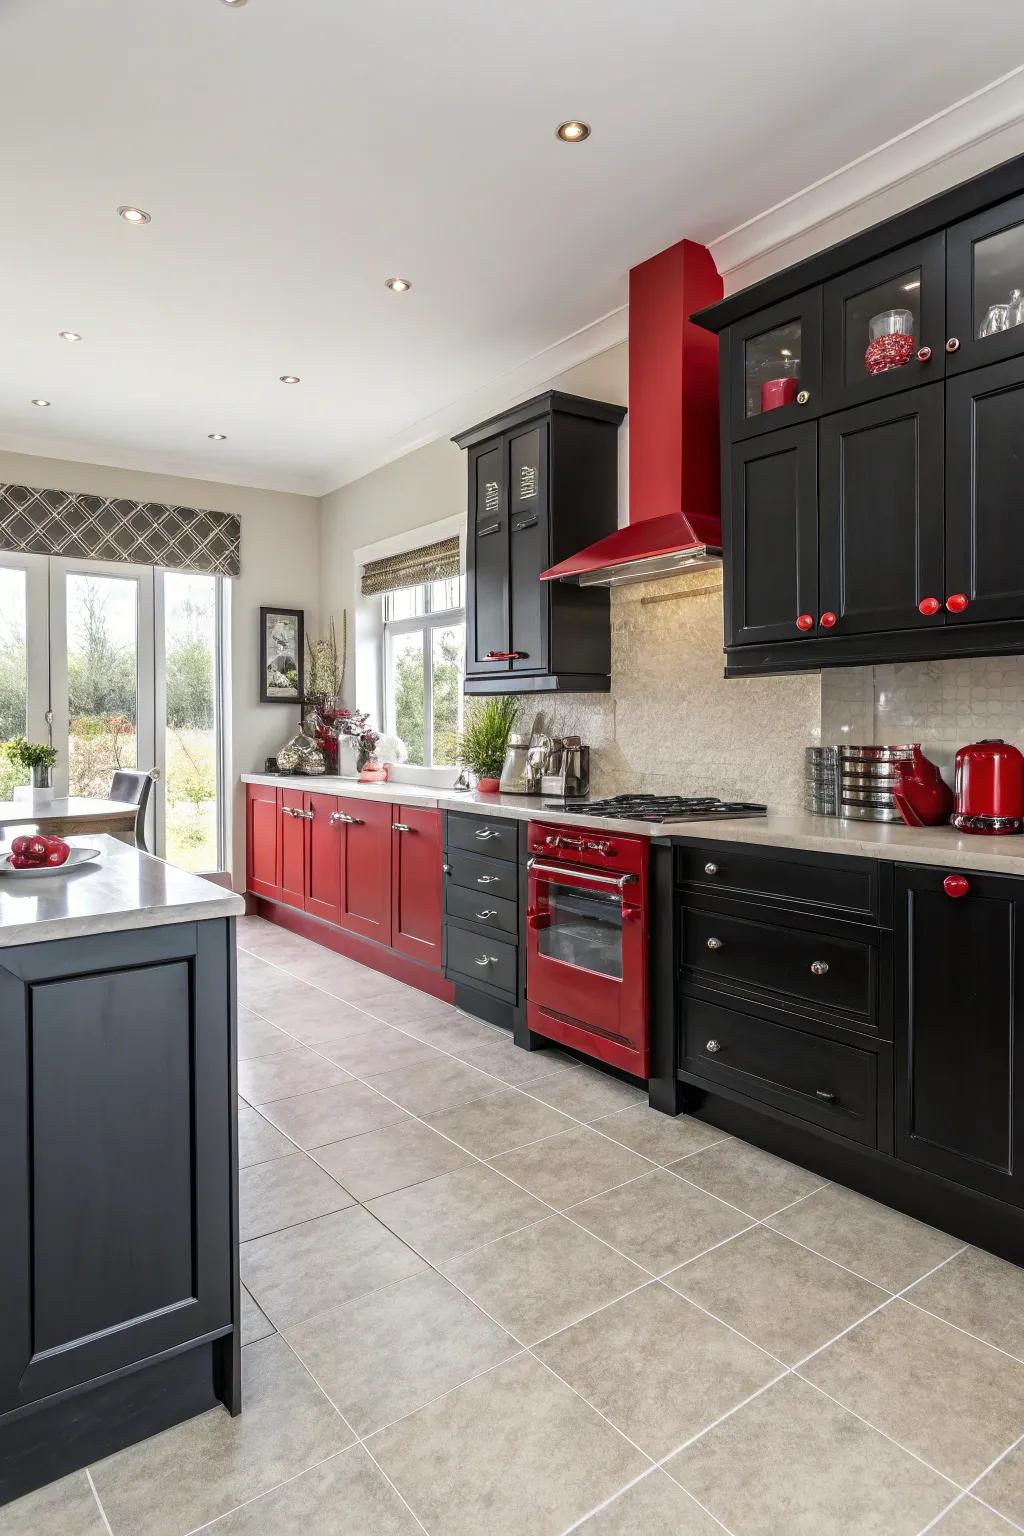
(280, 560)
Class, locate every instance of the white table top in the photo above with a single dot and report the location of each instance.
(21, 811)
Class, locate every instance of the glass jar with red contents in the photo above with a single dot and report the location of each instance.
(891, 340)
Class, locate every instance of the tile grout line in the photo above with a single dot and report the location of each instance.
(643, 1476)
(285, 1482)
(99, 1501)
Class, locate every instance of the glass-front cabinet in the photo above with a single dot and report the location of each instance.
(985, 317)
(775, 366)
(883, 325)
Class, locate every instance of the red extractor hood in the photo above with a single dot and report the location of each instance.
(674, 523)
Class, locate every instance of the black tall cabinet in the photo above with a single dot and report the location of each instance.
(543, 483)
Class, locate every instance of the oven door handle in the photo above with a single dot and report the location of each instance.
(553, 872)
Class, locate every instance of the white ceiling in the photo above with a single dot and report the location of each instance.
(295, 153)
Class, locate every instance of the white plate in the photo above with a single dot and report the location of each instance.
(75, 859)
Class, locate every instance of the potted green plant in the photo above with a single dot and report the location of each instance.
(488, 725)
(36, 757)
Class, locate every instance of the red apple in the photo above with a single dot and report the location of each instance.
(37, 849)
(20, 844)
(20, 861)
(58, 856)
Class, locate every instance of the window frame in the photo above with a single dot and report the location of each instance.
(425, 623)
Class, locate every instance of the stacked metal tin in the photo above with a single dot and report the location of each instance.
(867, 778)
(821, 781)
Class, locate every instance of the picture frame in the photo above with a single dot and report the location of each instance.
(282, 655)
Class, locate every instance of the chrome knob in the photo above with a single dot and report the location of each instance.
(713, 1046)
(711, 869)
(819, 968)
(714, 943)
(953, 344)
(803, 397)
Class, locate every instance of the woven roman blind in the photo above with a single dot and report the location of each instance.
(431, 562)
(82, 527)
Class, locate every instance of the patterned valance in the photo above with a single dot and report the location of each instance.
(431, 562)
(83, 527)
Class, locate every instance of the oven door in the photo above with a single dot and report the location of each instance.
(586, 961)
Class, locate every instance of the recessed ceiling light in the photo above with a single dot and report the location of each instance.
(573, 132)
(290, 378)
(234, 2)
(69, 336)
(397, 284)
(134, 215)
(40, 402)
(220, 437)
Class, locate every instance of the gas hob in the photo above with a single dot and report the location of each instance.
(661, 808)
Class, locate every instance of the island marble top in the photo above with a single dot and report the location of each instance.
(123, 889)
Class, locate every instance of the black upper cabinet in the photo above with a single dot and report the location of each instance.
(543, 483)
(905, 345)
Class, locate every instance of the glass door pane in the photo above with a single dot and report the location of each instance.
(771, 366)
(406, 703)
(582, 929)
(190, 781)
(103, 680)
(13, 672)
(447, 662)
(882, 327)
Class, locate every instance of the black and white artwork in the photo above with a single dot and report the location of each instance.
(281, 655)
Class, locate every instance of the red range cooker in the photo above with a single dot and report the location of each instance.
(586, 942)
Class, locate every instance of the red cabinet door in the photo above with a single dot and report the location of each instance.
(292, 864)
(262, 840)
(325, 834)
(366, 869)
(416, 884)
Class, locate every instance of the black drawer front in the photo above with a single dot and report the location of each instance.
(816, 1079)
(833, 887)
(487, 911)
(816, 968)
(485, 876)
(480, 834)
(482, 957)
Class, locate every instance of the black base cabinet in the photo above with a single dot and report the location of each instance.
(484, 906)
(118, 1193)
(851, 1015)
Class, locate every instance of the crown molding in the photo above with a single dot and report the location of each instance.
(973, 135)
(508, 389)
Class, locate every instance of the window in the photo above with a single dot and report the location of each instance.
(424, 662)
(13, 672)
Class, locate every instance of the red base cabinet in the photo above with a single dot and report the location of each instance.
(292, 862)
(324, 841)
(416, 884)
(263, 840)
(366, 869)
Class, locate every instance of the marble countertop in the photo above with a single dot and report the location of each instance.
(813, 834)
(123, 889)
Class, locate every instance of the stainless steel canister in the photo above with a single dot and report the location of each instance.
(867, 778)
(821, 781)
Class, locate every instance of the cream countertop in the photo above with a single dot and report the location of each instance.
(124, 889)
(812, 834)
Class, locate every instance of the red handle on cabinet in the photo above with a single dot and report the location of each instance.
(928, 606)
(956, 886)
(805, 622)
(828, 620)
(956, 602)
(506, 656)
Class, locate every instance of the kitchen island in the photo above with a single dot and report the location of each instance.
(118, 1160)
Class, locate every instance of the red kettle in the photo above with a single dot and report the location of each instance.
(922, 796)
(989, 788)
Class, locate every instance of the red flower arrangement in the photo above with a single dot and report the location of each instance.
(330, 721)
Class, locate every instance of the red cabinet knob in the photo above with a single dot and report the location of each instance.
(828, 621)
(924, 353)
(956, 602)
(956, 886)
(805, 622)
(928, 606)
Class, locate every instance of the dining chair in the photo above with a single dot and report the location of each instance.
(134, 787)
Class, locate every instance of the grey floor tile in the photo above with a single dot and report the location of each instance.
(504, 1119)
(296, 1070)
(659, 1368)
(514, 1452)
(969, 1518)
(504, 1060)
(255, 1323)
(792, 1463)
(452, 1031)
(658, 1221)
(1003, 1488)
(407, 1152)
(383, 1050)
(883, 1245)
(587, 1094)
(258, 1140)
(64, 1508)
(662, 1138)
(200, 1469)
(979, 1293)
(335, 1024)
(755, 1181)
(406, 1006)
(427, 1089)
(284, 1192)
(543, 1278)
(655, 1506)
(572, 1167)
(785, 1298)
(457, 1212)
(316, 1266)
(388, 1353)
(333, 1113)
(346, 1496)
(256, 1037)
(902, 1370)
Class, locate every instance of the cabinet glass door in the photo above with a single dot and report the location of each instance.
(487, 598)
(883, 325)
(986, 287)
(775, 365)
